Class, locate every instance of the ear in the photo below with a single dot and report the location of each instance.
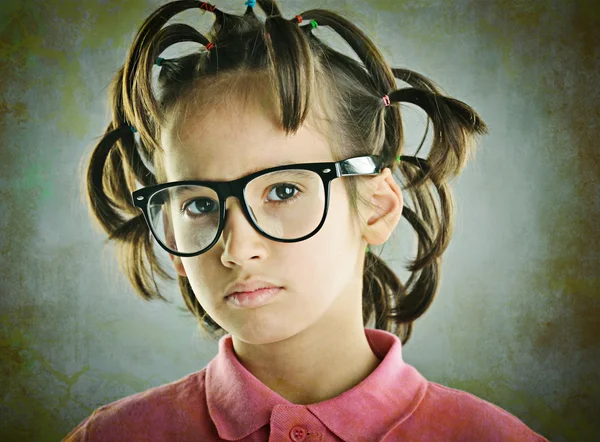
(386, 194)
(170, 238)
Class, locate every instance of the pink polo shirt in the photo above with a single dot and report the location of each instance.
(225, 402)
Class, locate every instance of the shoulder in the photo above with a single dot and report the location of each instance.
(464, 416)
(176, 408)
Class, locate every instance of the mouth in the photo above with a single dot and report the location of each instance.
(248, 287)
(254, 298)
(254, 292)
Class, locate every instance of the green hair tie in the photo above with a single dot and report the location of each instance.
(314, 24)
(368, 250)
(159, 61)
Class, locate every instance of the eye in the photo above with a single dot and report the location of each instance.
(204, 206)
(284, 191)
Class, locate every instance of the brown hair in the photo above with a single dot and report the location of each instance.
(285, 59)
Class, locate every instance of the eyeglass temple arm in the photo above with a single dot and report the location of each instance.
(367, 165)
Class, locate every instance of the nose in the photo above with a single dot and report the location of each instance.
(240, 239)
(234, 215)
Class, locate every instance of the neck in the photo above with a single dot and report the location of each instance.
(312, 366)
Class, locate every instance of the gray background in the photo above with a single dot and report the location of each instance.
(516, 319)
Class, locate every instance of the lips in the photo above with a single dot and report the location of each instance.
(249, 286)
(255, 299)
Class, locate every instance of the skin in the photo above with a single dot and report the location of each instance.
(308, 345)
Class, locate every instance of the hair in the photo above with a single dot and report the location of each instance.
(244, 58)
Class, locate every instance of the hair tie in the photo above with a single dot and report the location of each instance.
(399, 158)
(386, 100)
(209, 46)
(207, 7)
(251, 3)
(314, 24)
(159, 61)
(132, 129)
(299, 18)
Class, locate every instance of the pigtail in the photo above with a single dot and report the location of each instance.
(268, 6)
(455, 126)
(379, 79)
(104, 208)
(290, 68)
(112, 171)
(140, 106)
(114, 165)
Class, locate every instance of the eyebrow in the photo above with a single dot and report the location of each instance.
(248, 172)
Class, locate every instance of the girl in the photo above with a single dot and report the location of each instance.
(306, 141)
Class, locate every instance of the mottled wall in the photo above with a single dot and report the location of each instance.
(516, 318)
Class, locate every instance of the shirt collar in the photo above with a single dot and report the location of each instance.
(239, 404)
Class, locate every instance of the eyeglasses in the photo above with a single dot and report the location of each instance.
(285, 203)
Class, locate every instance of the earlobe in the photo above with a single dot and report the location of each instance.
(387, 197)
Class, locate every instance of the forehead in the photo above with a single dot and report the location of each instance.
(231, 142)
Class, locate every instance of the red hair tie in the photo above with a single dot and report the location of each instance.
(209, 46)
(299, 18)
(207, 7)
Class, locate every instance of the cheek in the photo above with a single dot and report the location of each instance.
(331, 246)
(202, 272)
(338, 230)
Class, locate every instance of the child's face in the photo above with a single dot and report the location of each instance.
(321, 276)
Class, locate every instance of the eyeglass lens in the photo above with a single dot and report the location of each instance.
(287, 204)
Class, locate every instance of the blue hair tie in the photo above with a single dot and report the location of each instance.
(251, 3)
(132, 129)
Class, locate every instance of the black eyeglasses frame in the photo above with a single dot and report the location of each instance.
(328, 171)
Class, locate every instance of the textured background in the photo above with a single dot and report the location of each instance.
(516, 319)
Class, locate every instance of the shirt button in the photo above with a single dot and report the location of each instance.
(298, 434)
